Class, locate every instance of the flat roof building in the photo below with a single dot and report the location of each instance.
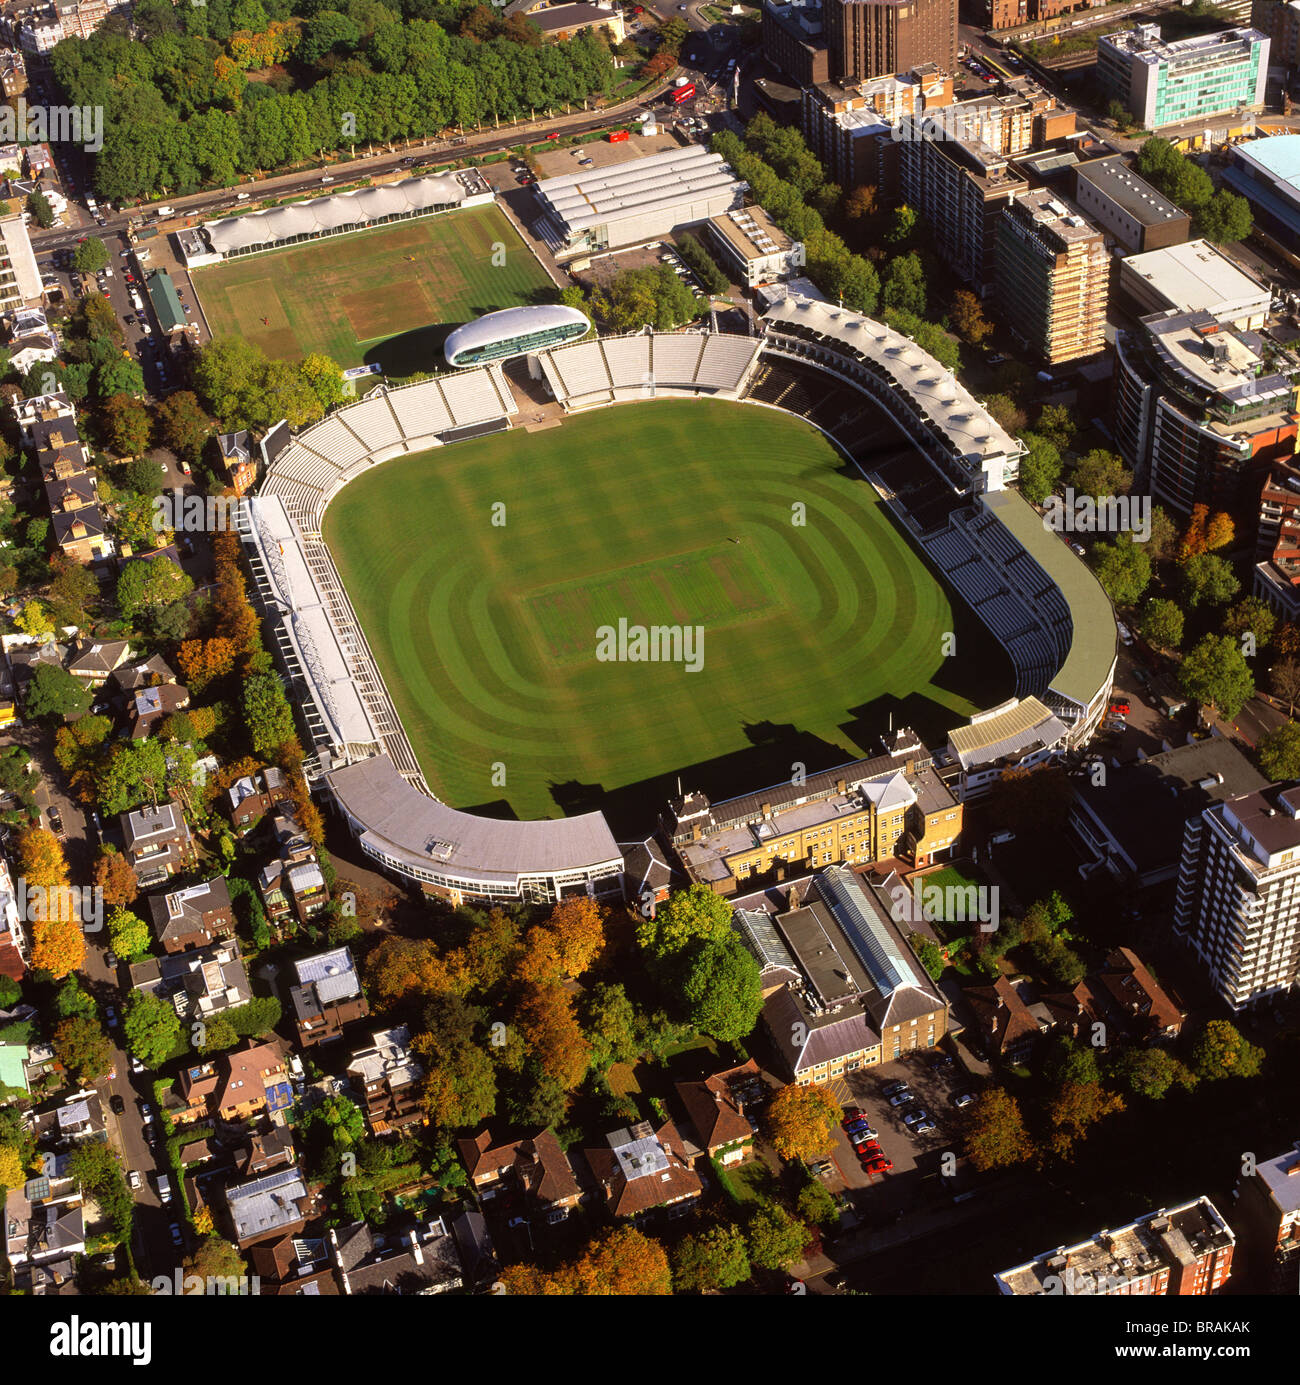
(1053, 277)
(629, 203)
(1195, 277)
(1266, 172)
(1127, 207)
(1192, 79)
(1175, 1251)
(754, 248)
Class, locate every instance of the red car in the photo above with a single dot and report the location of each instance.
(880, 1164)
(1119, 709)
(851, 1114)
(552, 136)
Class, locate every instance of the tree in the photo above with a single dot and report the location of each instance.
(1162, 623)
(904, 283)
(1208, 579)
(1193, 541)
(205, 661)
(460, 1086)
(815, 1206)
(775, 1238)
(1005, 412)
(324, 377)
(215, 1259)
(1057, 425)
(115, 878)
(1250, 617)
(714, 1259)
(11, 1169)
(40, 859)
(54, 694)
(1226, 217)
(71, 1001)
(968, 320)
(34, 618)
(567, 944)
(801, 1122)
(901, 229)
(118, 375)
(129, 935)
(1067, 1060)
(1040, 468)
(1123, 568)
(1220, 532)
(83, 1048)
(39, 206)
(1150, 1072)
(1164, 534)
(126, 425)
(147, 588)
(182, 425)
(1284, 679)
(721, 989)
(1216, 675)
(73, 589)
(1100, 474)
(610, 1024)
(695, 914)
(266, 712)
(546, 1020)
(1074, 1109)
(997, 1137)
(142, 475)
(672, 34)
(152, 1028)
(90, 256)
(1220, 1051)
(1033, 800)
(623, 1261)
(861, 203)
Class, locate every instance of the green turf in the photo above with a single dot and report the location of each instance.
(486, 634)
(388, 296)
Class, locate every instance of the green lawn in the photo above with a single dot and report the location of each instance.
(487, 633)
(388, 296)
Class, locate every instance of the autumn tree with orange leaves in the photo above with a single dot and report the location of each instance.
(58, 946)
(400, 968)
(801, 1122)
(567, 944)
(623, 1261)
(204, 661)
(113, 875)
(41, 860)
(550, 1029)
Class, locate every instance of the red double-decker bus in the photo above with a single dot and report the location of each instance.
(681, 94)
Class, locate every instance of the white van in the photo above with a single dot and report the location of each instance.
(241, 197)
(165, 211)
(164, 1187)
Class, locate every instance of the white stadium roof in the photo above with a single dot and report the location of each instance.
(600, 195)
(403, 823)
(511, 322)
(308, 623)
(234, 233)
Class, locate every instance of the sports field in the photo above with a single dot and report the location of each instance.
(673, 513)
(388, 296)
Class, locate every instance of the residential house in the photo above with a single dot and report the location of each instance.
(716, 1107)
(24, 660)
(193, 917)
(389, 1079)
(1270, 1199)
(423, 1261)
(640, 1169)
(535, 1166)
(43, 409)
(82, 535)
(250, 798)
(475, 1245)
(13, 77)
(235, 1085)
(237, 460)
(198, 984)
(649, 875)
(71, 1120)
(327, 996)
(268, 1208)
(265, 1150)
(91, 662)
(13, 941)
(1138, 1004)
(150, 707)
(1009, 1020)
(144, 673)
(292, 885)
(294, 1266)
(158, 842)
(44, 1222)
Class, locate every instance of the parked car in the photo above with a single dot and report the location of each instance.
(111, 958)
(133, 1178)
(110, 1014)
(117, 1105)
(963, 1099)
(1141, 675)
(1079, 549)
(901, 1098)
(136, 1065)
(925, 1127)
(893, 1088)
(1125, 634)
(56, 821)
(883, 1164)
(177, 1238)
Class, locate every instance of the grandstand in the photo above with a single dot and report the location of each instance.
(613, 370)
(387, 423)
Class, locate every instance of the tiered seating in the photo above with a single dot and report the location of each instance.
(976, 581)
(333, 439)
(677, 358)
(373, 421)
(420, 409)
(725, 361)
(628, 361)
(470, 397)
(581, 369)
(302, 464)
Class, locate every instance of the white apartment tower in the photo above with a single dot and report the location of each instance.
(1238, 901)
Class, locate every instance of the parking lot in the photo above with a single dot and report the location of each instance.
(931, 1088)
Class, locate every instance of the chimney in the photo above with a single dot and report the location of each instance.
(416, 1253)
(841, 786)
(767, 811)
